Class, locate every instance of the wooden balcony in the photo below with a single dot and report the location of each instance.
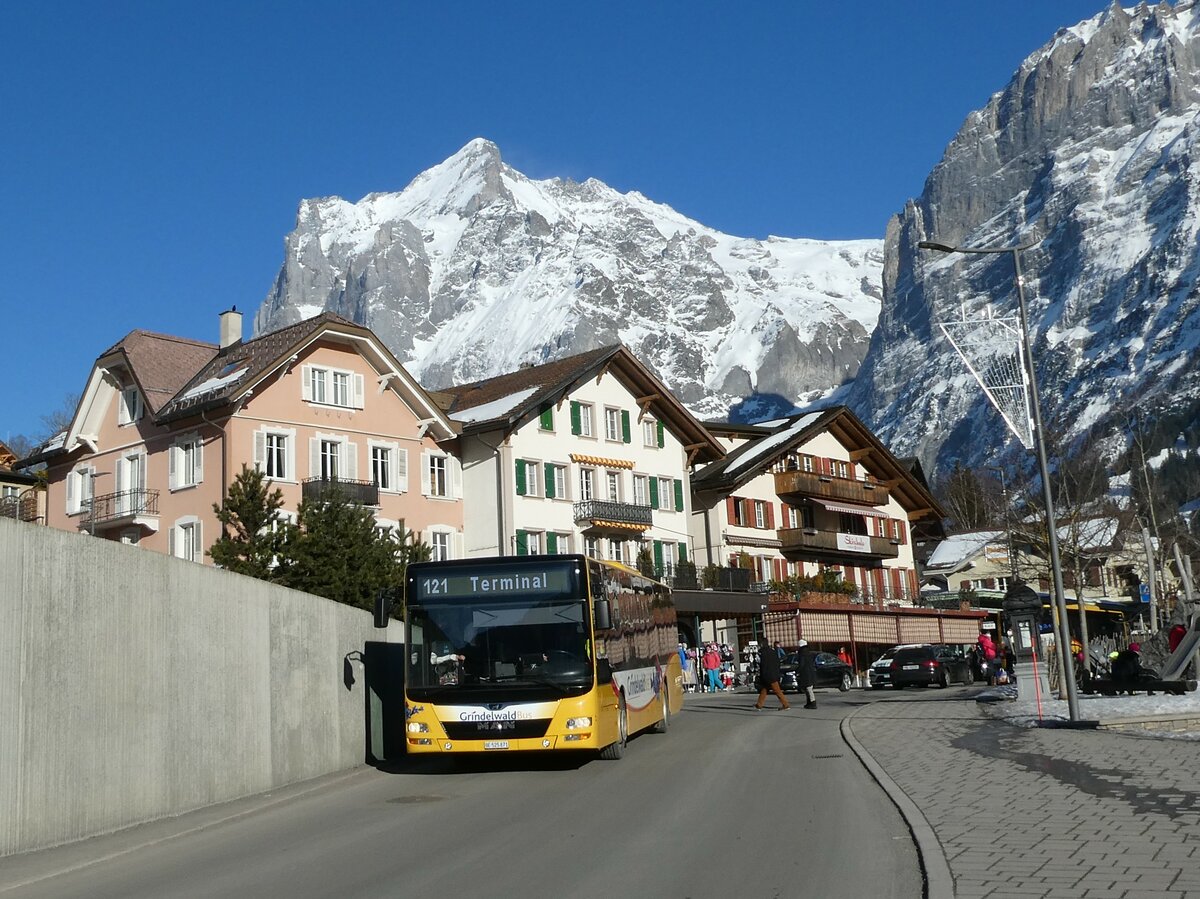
(818, 543)
(795, 485)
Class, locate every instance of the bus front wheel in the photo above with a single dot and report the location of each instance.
(614, 751)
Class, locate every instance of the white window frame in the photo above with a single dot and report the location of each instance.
(130, 408)
(666, 494)
(533, 477)
(452, 475)
(187, 539)
(81, 486)
(760, 514)
(641, 490)
(585, 420)
(650, 433)
(612, 424)
(441, 536)
(263, 451)
(330, 456)
(591, 547)
(587, 484)
(180, 474)
(792, 517)
(322, 384)
(396, 465)
(613, 485)
(560, 482)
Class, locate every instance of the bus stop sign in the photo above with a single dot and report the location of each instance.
(1144, 592)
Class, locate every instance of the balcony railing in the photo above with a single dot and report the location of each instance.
(599, 512)
(125, 504)
(812, 540)
(793, 484)
(364, 493)
(22, 507)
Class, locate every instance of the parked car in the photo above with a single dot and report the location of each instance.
(831, 672)
(879, 675)
(925, 665)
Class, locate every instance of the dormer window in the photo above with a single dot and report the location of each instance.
(130, 408)
(332, 387)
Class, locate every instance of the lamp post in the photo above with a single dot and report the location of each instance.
(1063, 631)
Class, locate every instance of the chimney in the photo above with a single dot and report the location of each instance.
(231, 327)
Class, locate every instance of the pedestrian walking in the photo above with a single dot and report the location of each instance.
(806, 673)
(768, 677)
(845, 656)
(712, 668)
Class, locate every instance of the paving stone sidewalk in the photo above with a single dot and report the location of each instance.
(1041, 812)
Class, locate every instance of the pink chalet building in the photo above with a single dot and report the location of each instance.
(165, 424)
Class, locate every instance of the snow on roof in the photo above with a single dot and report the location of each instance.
(55, 442)
(496, 408)
(1091, 533)
(763, 448)
(213, 384)
(957, 548)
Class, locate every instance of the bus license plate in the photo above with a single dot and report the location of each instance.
(495, 744)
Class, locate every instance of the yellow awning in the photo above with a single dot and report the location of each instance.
(600, 461)
(618, 525)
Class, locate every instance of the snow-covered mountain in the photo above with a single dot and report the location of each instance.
(474, 269)
(1091, 154)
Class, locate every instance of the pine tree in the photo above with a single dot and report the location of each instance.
(253, 533)
(336, 551)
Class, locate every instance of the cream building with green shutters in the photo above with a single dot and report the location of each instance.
(588, 454)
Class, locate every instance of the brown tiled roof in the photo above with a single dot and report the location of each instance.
(253, 355)
(162, 364)
(549, 379)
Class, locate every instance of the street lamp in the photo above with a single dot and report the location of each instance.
(1063, 633)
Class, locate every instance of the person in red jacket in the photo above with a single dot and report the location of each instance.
(712, 668)
(1175, 637)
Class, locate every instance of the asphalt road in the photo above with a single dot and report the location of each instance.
(730, 802)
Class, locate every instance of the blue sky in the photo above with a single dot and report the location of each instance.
(153, 154)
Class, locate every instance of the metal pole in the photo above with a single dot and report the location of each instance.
(1151, 575)
(1064, 637)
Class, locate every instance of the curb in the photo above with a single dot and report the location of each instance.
(939, 882)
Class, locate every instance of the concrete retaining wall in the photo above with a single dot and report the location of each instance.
(135, 686)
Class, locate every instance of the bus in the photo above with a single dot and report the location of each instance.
(552, 652)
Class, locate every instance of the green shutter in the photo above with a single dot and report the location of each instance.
(551, 543)
(522, 543)
(683, 552)
(576, 427)
(661, 435)
(658, 555)
(678, 495)
(653, 492)
(625, 425)
(549, 480)
(520, 477)
(547, 417)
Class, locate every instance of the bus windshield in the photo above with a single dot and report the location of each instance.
(475, 630)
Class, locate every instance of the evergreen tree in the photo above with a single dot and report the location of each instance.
(252, 531)
(336, 551)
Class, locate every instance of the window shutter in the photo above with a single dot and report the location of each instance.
(678, 495)
(173, 453)
(551, 542)
(653, 492)
(314, 457)
(731, 509)
(576, 427)
(260, 450)
(72, 477)
(625, 426)
(358, 391)
(547, 420)
(197, 542)
(306, 382)
(549, 474)
(771, 516)
(521, 486)
(118, 477)
(171, 542)
(658, 555)
(456, 544)
(350, 459)
(683, 552)
(455, 470)
(661, 435)
(425, 479)
(402, 470)
(522, 543)
(199, 474)
(902, 527)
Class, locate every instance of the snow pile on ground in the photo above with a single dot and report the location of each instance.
(1023, 711)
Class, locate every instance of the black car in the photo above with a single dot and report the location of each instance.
(925, 665)
(831, 672)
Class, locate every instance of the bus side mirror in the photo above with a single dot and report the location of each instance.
(604, 672)
(602, 614)
(383, 607)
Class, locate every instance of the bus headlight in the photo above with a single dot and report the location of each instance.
(573, 723)
(418, 727)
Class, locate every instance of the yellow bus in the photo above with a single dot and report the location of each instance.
(537, 653)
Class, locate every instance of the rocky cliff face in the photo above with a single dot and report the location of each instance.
(474, 269)
(1090, 156)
